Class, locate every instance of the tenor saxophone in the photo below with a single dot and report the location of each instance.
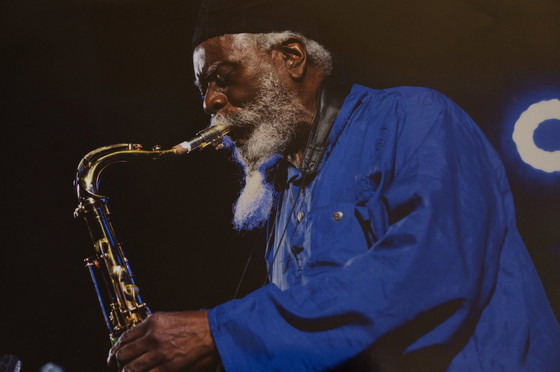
(110, 271)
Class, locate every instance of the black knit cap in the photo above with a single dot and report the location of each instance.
(220, 17)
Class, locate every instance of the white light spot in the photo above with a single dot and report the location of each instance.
(525, 126)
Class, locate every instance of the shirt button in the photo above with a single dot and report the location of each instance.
(337, 216)
(300, 216)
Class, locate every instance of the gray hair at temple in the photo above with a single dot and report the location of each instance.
(317, 53)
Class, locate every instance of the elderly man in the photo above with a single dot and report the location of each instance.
(393, 244)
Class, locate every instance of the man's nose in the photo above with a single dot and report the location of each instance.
(214, 101)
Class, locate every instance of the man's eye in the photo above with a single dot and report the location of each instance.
(222, 79)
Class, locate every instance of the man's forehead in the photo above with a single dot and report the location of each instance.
(226, 49)
(213, 50)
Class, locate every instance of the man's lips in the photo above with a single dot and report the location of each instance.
(240, 136)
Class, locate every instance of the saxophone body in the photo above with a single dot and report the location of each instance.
(110, 271)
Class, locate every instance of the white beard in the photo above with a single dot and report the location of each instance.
(254, 204)
(276, 116)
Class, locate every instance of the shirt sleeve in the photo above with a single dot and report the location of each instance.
(435, 205)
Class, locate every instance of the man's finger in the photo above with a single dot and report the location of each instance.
(131, 335)
(146, 362)
(127, 337)
(130, 351)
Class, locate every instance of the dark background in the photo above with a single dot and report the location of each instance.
(80, 74)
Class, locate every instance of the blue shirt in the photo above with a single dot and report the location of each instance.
(401, 253)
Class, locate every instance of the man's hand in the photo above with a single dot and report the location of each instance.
(167, 342)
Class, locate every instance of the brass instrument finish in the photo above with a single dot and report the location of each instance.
(118, 294)
(111, 274)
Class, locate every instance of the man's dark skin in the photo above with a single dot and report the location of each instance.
(182, 341)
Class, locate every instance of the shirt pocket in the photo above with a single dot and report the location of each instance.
(334, 235)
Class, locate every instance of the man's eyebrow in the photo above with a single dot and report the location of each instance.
(200, 80)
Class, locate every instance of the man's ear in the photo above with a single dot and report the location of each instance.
(294, 57)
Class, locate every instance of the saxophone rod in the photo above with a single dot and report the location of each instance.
(209, 136)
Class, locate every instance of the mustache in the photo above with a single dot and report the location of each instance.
(247, 117)
(242, 123)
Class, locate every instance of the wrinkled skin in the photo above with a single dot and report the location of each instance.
(228, 79)
(179, 341)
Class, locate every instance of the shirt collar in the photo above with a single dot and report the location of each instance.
(329, 101)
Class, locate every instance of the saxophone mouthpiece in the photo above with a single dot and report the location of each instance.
(182, 148)
(213, 135)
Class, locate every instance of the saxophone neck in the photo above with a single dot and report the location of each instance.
(89, 170)
(92, 165)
